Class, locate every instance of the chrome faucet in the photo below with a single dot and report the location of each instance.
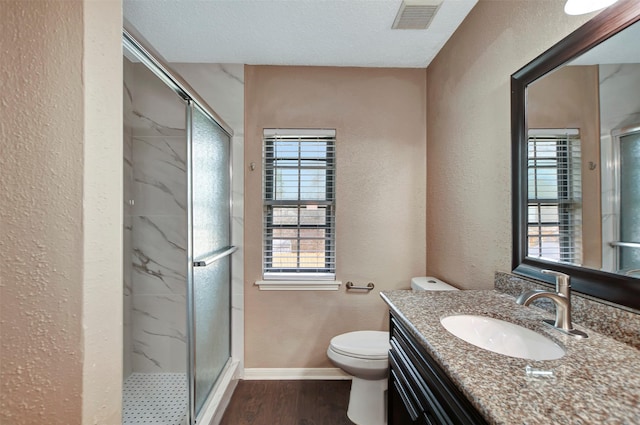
(562, 300)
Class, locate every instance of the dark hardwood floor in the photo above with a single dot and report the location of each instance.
(289, 403)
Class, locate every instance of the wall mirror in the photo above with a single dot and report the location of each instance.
(575, 118)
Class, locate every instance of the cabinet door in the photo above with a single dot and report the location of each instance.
(419, 385)
(400, 410)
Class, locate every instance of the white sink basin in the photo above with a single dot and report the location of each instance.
(502, 337)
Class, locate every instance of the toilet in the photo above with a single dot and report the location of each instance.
(365, 356)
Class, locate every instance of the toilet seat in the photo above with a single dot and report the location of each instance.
(368, 345)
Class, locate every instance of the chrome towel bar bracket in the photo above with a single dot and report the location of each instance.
(350, 285)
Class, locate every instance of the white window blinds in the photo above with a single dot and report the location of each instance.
(299, 204)
(554, 195)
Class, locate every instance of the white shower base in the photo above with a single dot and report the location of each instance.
(155, 399)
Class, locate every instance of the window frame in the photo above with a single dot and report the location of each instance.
(270, 204)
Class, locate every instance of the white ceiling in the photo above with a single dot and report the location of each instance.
(291, 32)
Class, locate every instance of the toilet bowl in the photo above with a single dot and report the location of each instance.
(364, 355)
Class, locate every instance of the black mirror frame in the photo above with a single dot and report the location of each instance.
(609, 287)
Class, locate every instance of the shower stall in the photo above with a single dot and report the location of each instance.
(177, 245)
(626, 170)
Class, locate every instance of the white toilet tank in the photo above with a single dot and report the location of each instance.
(428, 283)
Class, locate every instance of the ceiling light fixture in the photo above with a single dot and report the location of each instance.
(580, 7)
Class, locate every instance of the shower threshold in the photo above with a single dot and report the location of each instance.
(155, 399)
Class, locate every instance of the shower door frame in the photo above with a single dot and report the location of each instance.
(616, 161)
(149, 58)
(191, 318)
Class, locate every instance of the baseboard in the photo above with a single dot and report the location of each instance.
(284, 374)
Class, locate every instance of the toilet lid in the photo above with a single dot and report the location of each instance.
(373, 345)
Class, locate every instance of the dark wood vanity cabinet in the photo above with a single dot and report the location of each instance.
(419, 391)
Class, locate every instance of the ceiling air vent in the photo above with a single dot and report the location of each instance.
(416, 14)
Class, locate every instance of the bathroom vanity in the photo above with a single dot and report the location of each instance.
(437, 378)
(419, 390)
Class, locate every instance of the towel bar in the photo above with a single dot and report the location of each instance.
(350, 285)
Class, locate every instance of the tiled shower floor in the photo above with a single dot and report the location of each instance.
(155, 399)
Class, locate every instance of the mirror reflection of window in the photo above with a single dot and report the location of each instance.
(554, 227)
(569, 98)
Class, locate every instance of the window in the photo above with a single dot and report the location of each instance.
(555, 195)
(299, 204)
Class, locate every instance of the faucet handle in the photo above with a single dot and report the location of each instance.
(562, 281)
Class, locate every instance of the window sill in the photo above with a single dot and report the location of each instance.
(298, 285)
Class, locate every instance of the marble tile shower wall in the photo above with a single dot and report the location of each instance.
(156, 226)
(618, 107)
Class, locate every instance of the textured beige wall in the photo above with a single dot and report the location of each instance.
(379, 115)
(468, 135)
(41, 162)
(44, 248)
(569, 98)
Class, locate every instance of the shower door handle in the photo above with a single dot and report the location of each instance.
(206, 261)
(625, 244)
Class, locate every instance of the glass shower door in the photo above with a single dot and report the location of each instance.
(210, 215)
(629, 198)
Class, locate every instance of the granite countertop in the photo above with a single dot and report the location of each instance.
(596, 382)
